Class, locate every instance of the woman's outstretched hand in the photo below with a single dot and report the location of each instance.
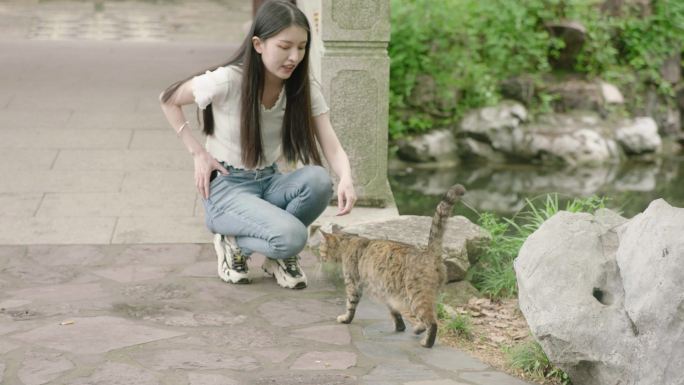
(346, 196)
(205, 164)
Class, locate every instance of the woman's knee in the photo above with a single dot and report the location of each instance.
(318, 180)
(289, 241)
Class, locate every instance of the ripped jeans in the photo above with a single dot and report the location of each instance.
(268, 212)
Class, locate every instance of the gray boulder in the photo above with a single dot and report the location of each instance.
(572, 139)
(639, 136)
(604, 296)
(464, 241)
(435, 146)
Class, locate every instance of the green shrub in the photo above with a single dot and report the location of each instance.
(531, 359)
(493, 275)
(469, 46)
(464, 45)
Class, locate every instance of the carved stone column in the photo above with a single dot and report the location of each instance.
(349, 57)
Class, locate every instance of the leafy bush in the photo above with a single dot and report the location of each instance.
(466, 46)
(458, 51)
(493, 275)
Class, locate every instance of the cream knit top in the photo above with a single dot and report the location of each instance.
(222, 88)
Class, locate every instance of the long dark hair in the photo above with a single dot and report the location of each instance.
(298, 137)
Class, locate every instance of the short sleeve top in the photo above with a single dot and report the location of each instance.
(222, 88)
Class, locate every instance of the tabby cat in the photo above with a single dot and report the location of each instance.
(406, 278)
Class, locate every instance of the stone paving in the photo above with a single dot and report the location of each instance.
(157, 314)
(106, 271)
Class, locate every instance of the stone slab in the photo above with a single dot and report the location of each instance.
(450, 359)
(435, 382)
(59, 293)
(19, 205)
(382, 350)
(149, 119)
(200, 270)
(156, 254)
(210, 379)
(273, 355)
(396, 372)
(26, 160)
(38, 368)
(164, 139)
(125, 274)
(190, 229)
(85, 335)
(60, 181)
(159, 182)
(16, 121)
(297, 311)
(325, 361)
(116, 205)
(385, 331)
(195, 359)
(65, 230)
(12, 303)
(66, 255)
(117, 160)
(117, 373)
(358, 215)
(53, 138)
(330, 334)
(6, 346)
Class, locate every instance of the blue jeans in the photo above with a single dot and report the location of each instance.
(267, 211)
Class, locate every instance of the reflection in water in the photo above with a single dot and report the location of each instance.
(630, 187)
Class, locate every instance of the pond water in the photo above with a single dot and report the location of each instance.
(503, 189)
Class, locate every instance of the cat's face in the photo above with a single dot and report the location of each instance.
(328, 249)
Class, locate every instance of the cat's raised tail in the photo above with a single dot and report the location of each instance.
(442, 212)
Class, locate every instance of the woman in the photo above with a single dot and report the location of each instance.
(260, 107)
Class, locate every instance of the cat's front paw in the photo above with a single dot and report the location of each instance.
(344, 319)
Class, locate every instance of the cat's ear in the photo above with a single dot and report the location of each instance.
(336, 229)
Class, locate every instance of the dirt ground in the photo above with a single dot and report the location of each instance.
(496, 325)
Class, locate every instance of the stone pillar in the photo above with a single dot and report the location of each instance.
(349, 58)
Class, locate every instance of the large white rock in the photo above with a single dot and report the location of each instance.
(434, 146)
(639, 136)
(605, 296)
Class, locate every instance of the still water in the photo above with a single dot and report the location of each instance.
(503, 189)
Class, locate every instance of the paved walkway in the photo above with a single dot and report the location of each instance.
(157, 314)
(106, 274)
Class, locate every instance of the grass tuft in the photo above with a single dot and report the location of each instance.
(493, 275)
(531, 359)
(462, 325)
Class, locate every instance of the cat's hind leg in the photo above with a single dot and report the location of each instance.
(399, 325)
(353, 291)
(424, 312)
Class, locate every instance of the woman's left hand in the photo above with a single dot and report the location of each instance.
(346, 196)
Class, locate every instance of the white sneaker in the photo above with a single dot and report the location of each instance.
(286, 271)
(232, 265)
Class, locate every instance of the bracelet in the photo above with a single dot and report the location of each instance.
(178, 131)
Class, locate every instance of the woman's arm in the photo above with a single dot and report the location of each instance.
(338, 160)
(204, 162)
